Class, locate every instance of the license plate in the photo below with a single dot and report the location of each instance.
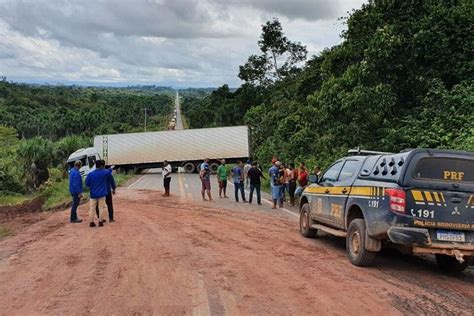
(447, 235)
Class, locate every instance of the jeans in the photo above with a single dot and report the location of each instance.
(75, 204)
(239, 187)
(166, 185)
(257, 188)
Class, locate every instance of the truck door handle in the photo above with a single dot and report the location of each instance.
(344, 191)
(327, 191)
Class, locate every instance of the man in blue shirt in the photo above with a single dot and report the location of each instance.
(238, 177)
(108, 199)
(98, 181)
(75, 188)
(276, 185)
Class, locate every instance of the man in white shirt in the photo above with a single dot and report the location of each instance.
(166, 177)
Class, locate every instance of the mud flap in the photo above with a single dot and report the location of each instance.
(372, 244)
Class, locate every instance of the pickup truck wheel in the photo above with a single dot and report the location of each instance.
(355, 245)
(449, 264)
(305, 223)
(189, 167)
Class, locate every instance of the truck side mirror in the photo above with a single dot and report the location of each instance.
(313, 178)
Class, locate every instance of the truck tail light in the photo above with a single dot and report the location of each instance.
(397, 201)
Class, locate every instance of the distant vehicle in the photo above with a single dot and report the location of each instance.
(181, 148)
(88, 157)
(421, 199)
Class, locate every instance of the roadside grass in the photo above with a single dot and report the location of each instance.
(9, 199)
(4, 232)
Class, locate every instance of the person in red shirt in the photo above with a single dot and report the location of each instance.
(302, 175)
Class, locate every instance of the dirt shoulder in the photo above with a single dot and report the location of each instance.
(170, 256)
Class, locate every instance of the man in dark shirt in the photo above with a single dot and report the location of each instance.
(254, 175)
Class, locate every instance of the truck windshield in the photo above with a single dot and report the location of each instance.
(445, 169)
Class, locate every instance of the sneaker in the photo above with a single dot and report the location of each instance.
(77, 220)
(111, 220)
(101, 224)
(104, 221)
(92, 224)
(259, 203)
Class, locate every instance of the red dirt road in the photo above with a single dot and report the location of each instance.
(172, 256)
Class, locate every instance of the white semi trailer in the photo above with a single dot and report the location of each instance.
(181, 148)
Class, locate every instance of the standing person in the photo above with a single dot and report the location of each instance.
(205, 176)
(97, 181)
(292, 183)
(110, 191)
(246, 170)
(222, 176)
(286, 180)
(75, 188)
(254, 175)
(108, 199)
(166, 172)
(276, 183)
(238, 178)
(317, 171)
(302, 175)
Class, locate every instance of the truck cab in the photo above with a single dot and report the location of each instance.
(88, 157)
(422, 199)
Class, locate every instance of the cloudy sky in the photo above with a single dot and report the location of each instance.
(198, 43)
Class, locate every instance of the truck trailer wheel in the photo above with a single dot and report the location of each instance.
(305, 223)
(449, 264)
(214, 167)
(189, 167)
(355, 245)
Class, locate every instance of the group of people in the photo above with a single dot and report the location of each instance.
(102, 186)
(283, 178)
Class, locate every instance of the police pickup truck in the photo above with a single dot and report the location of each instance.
(422, 199)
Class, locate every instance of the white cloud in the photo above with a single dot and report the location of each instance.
(196, 43)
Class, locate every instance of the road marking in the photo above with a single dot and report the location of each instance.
(186, 185)
(134, 183)
(271, 203)
(181, 186)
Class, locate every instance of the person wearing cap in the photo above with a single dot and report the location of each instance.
(166, 177)
(75, 188)
(247, 167)
(205, 176)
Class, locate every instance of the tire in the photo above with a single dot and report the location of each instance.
(189, 167)
(213, 167)
(449, 264)
(355, 245)
(305, 222)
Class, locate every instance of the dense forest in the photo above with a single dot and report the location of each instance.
(40, 126)
(401, 78)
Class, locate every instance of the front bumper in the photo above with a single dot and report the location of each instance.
(420, 240)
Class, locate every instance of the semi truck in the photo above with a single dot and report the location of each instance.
(181, 148)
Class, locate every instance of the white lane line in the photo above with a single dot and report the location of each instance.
(270, 202)
(134, 183)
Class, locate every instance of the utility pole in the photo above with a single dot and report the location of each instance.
(145, 109)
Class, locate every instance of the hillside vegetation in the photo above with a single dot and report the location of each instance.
(401, 78)
(40, 126)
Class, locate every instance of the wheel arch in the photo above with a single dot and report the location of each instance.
(303, 201)
(353, 212)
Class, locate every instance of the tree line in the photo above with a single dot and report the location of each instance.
(40, 126)
(402, 77)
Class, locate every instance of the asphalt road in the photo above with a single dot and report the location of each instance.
(188, 186)
(179, 120)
